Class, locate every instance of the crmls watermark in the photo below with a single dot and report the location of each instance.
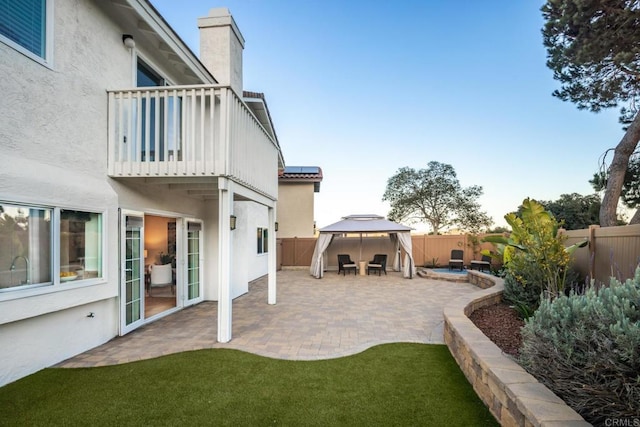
(622, 422)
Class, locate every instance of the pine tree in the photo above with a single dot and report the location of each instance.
(593, 49)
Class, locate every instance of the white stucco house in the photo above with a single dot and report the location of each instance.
(128, 163)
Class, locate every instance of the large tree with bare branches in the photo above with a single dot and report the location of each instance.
(593, 48)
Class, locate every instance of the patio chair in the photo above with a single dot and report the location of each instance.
(481, 265)
(345, 264)
(378, 264)
(457, 259)
(161, 276)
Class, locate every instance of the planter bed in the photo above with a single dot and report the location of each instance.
(512, 395)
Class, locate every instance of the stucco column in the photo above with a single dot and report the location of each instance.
(225, 250)
(271, 264)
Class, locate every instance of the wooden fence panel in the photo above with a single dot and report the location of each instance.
(278, 254)
(581, 258)
(436, 250)
(612, 251)
(617, 252)
(298, 251)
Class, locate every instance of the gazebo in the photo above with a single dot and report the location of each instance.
(399, 234)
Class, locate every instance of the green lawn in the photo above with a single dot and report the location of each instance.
(392, 384)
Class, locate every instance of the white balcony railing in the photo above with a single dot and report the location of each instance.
(189, 131)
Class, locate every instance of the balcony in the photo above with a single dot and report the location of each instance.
(185, 133)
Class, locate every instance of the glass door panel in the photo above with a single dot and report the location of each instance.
(132, 276)
(194, 271)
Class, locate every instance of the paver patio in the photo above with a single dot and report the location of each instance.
(313, 319)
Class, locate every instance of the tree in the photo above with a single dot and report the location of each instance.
(498, 230)
(434, 196)
(593, 48)
(574, 211)
(630, 192)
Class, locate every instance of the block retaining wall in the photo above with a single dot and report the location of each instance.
(514, 396)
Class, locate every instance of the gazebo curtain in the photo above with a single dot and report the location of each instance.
(409, 267)
(403, 240)
(397, 265)
(317, 262)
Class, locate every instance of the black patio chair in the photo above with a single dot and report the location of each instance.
(481, 265)
(378, 264)
(457, 259)
(345, 264)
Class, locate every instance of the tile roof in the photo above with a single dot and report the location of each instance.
(304, 173)
(301, 174)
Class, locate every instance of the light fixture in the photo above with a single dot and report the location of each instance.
(128, 41)
(232, 222)
(276, 226)
(146, 254)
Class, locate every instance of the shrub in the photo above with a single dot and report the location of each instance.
(586, 349)
(534, 256)
(524, 299)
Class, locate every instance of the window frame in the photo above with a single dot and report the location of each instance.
(101, 246)
(52, 249)
(55, 284)
(262, 240)
(47, 60)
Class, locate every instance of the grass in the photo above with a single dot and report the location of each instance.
(388, 385)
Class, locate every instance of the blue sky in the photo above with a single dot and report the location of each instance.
(363, 88)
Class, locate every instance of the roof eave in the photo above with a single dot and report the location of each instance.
(156, 22)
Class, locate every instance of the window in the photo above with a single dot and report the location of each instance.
(28, 236)
(263, 240)
(25, 246)
(80, 245)
(156, 109)
(146, 76)
(25, 25)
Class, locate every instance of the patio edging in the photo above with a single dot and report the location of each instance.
(514, 397)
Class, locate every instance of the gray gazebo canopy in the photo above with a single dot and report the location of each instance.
(399, 234)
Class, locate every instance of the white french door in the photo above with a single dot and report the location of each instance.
(193, 291)
(131, 271)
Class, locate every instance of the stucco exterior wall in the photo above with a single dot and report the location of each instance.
(39, 342)
(248, 264)
(53, 151)
(295, 209)
(65, 105)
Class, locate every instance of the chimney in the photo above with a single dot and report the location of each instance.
(221, 46)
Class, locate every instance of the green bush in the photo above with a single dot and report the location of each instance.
(586, 349)
(534, 256)
(524, 299)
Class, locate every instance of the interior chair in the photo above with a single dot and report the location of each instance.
(346, 264)
(161, 276)
(379, 264)
(457, 259)
(485, 263)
